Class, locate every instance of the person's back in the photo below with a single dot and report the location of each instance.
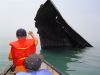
(40, 72)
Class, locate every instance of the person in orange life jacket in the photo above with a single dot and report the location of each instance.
(21, 49)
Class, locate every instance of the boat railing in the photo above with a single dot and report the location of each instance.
(8, 70)
(52, 69)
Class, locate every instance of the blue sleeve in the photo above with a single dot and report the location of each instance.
(22, 73)
(44, 72)
(41, 72)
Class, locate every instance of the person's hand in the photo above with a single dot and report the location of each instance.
(30, 33)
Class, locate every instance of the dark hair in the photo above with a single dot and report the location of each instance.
(33, 62)
(21, 33)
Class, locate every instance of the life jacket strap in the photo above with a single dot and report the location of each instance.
(22, 58)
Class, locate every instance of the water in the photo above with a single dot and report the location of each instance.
(75, 61)
(68, 61)
(4, 49)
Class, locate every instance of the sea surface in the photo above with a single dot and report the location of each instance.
(68, 61)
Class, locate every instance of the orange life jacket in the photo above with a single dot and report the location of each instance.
(21, 49)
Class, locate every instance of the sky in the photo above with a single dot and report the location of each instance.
(82, 15)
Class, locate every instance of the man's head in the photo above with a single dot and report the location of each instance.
(33, 62)
(21, 33)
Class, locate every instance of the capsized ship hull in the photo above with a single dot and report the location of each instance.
(53, 30)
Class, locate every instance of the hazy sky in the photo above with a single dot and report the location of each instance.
(82, 15)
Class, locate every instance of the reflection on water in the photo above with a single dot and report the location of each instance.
(71, 61)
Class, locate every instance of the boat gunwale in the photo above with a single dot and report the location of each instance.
(44, 61)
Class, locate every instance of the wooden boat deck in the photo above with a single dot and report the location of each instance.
(45, 66)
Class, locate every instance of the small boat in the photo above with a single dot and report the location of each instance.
(45, 65)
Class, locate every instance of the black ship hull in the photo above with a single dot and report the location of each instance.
(54, 31)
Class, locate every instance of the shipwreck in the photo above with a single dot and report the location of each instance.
(54, 31)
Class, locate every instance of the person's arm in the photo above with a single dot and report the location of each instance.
(32, 35)
(10, 57)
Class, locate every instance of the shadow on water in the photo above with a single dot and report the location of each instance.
(60, 58)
